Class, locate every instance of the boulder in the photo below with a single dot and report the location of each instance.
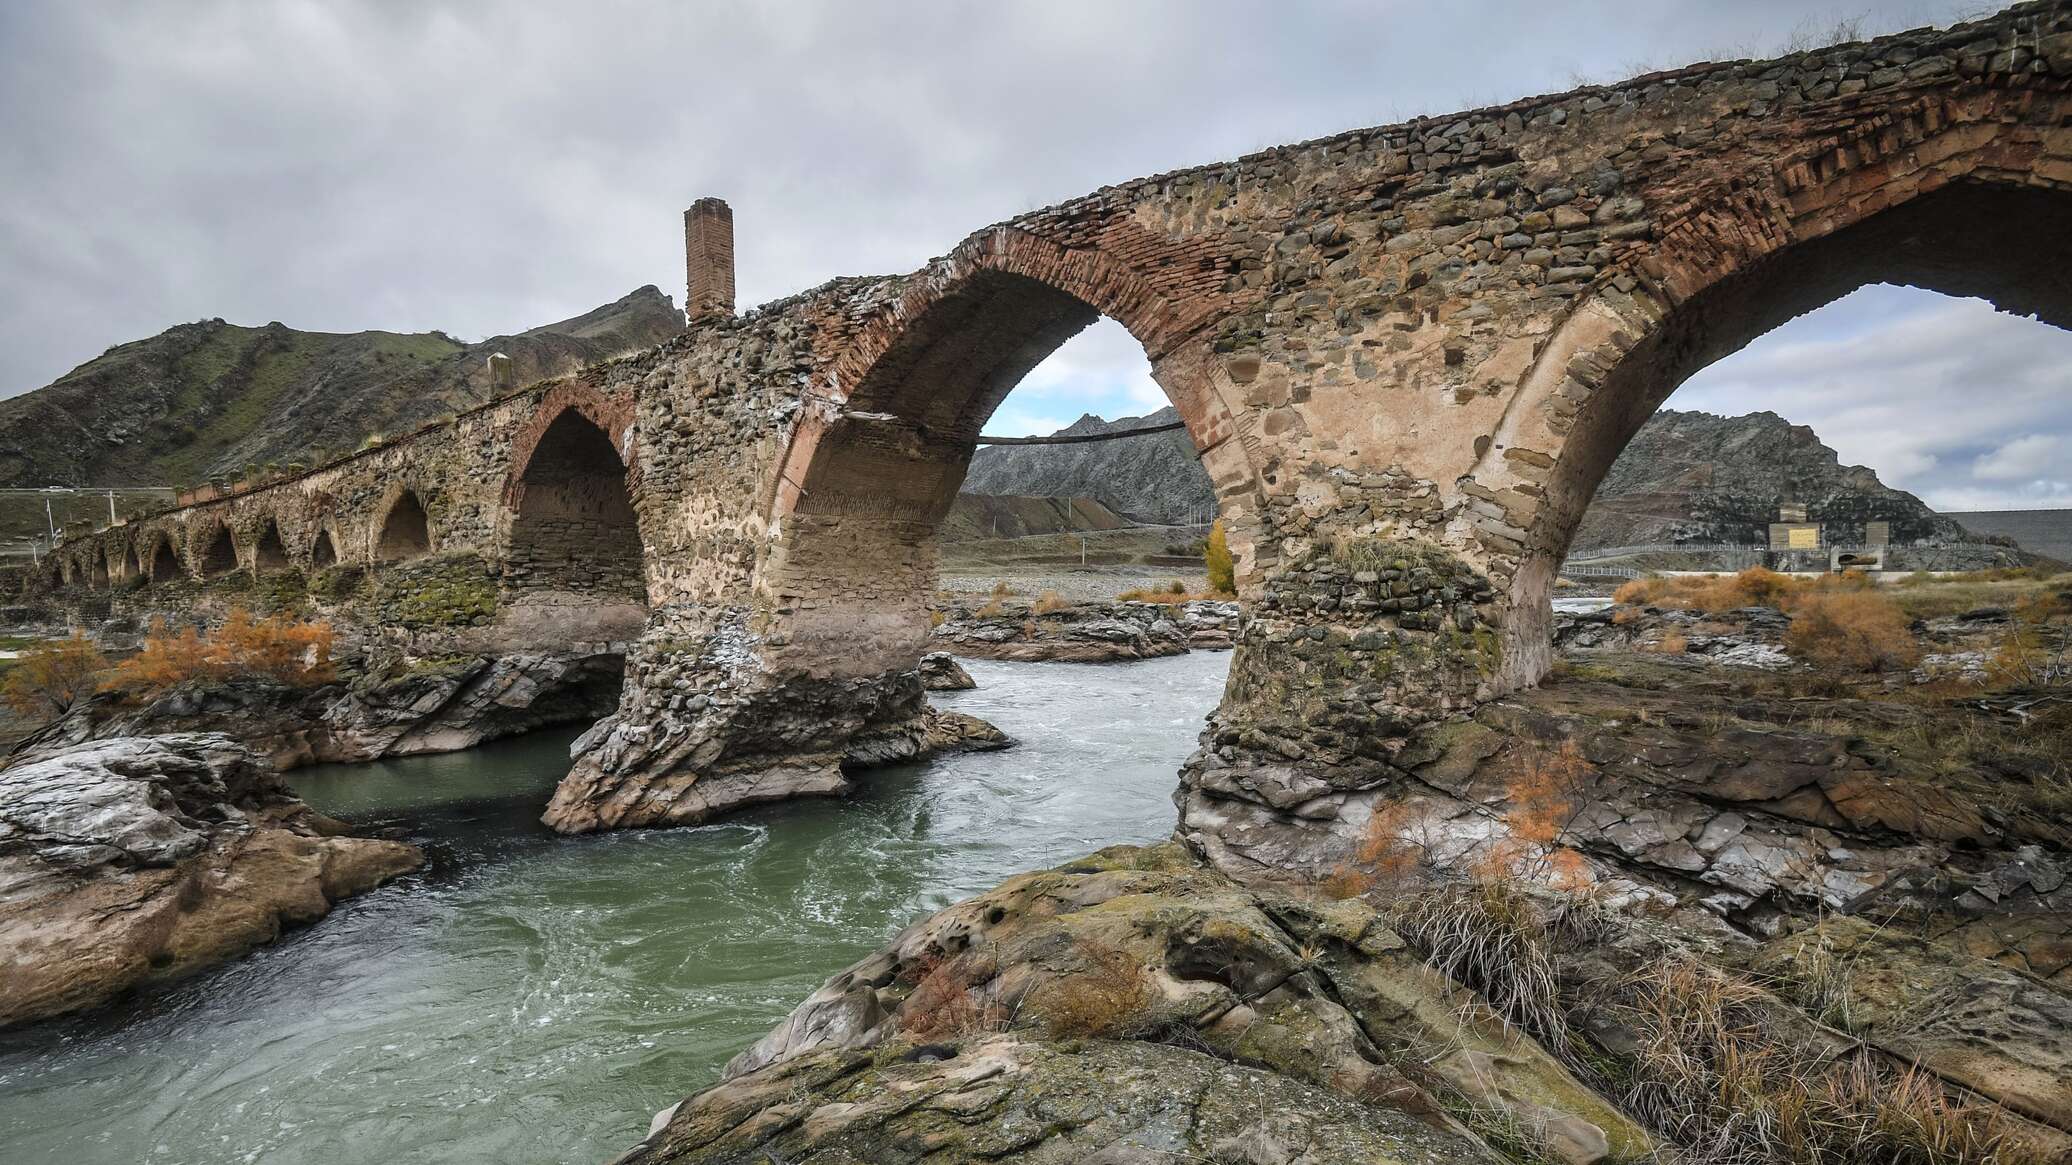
(139, 859)
(1148, 957)
(940, 672)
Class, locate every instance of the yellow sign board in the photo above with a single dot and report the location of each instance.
(1805, 537)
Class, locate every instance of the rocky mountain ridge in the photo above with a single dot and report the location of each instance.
(1153, 479)
(204, 401)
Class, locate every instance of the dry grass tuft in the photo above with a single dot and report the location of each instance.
(946, 1004)
(1049, 602)
(1108, 996)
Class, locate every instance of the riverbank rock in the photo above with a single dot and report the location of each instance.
(134, 860)
(940, 672)
(1106, 632)
(408, 709)
(1120, 987)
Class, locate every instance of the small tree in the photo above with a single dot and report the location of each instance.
(1215, 555)
(51, 677)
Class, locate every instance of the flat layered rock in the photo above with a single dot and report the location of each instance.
(140, 859)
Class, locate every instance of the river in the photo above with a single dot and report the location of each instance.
(530, 998)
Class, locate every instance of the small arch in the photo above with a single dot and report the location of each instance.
(219, 553)
(269, 554)
(132, 565)
(165, 562)
(406, 531)
(324, 554)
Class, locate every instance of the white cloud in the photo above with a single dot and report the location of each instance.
(1934, 393)
(2022, 458)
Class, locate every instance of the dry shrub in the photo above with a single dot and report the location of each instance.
(2037, 649)
(289, 650)
(1708, 1072)
(1851, 629)
(1048, 602)
(1714, 593)
(1166, 594)
(1001, 590)
(1215, 556)
(51, 677)
(937, 618)
(993, 609)
(944, 1004)
(1672, 643)
(1107, 997)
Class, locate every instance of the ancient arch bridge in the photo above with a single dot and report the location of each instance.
(1407, 355)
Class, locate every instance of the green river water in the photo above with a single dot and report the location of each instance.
(530, 998)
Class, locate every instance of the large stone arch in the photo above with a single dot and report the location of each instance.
(572, 522)
(1954, 198)
(872, 467)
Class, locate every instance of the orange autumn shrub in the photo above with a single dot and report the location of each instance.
(288, 650)
(51, 677)
(1851, 629)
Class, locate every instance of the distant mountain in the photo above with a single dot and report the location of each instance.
(1153, 479)
(1685, 477)
(1696, 477)
(203, 401)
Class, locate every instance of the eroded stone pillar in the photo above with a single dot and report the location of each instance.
(1345, 652)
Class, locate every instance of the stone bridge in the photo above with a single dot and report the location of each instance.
(1407, 355)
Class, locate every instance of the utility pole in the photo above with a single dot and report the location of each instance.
(111, 507)
(50, 520)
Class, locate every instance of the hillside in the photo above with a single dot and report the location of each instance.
(202, 401)
(1152, 479)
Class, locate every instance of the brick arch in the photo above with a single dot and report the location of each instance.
(212, 548)
(1949, 197)
(571, 522)
(611, 413)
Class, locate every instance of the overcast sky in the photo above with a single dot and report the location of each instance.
(483, 168)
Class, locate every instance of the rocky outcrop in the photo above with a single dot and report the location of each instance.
(427, 706)
(1116, 1009)
(794, 737)
(940, 672)
(1016, 629)
(130, 861)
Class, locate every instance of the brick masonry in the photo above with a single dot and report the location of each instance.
(1422, 343)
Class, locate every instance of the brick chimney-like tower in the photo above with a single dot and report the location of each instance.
(708, 249)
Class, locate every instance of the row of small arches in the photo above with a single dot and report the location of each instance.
(405, 534)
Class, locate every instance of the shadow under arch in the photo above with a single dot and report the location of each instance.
(164, 563)
(323, 552)
(573, 523)
(1999, 242)
(270, 553)
(872, 470)
(217, 555)
(405, 531)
